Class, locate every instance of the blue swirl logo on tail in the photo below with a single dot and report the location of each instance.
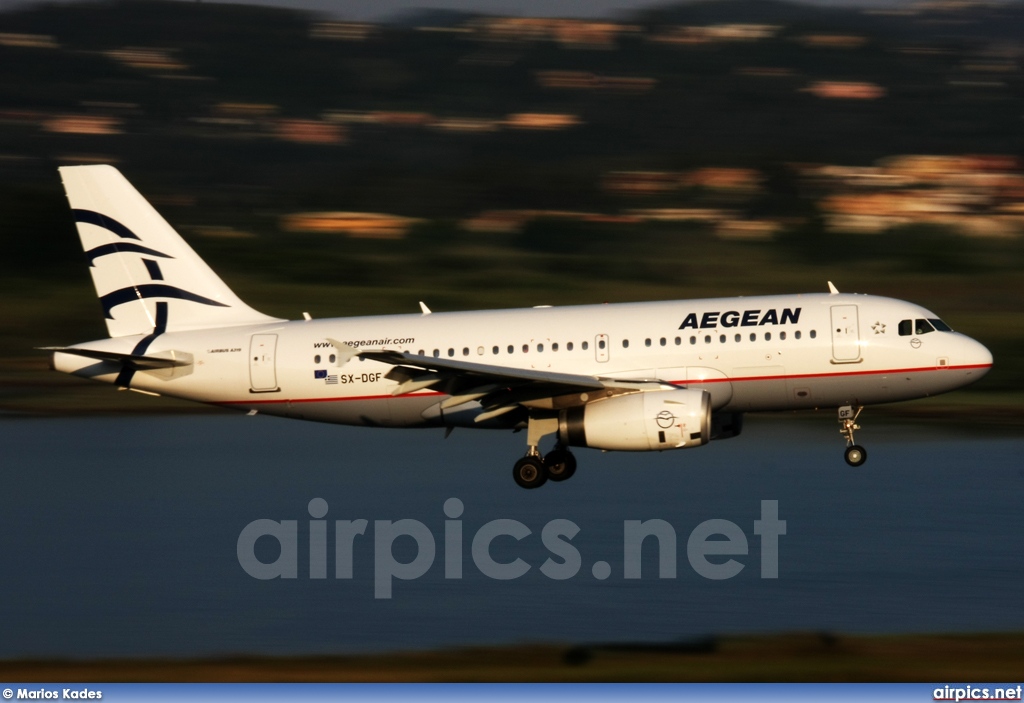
(107, 223)
(115, 227)
(141, 292)
(121, 248)
(151, 290)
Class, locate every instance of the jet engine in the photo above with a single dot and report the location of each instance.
(640, 422)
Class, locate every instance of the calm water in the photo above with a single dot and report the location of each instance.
(118, 536)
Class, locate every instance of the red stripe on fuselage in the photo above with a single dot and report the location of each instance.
(837, 374)
(742, 379)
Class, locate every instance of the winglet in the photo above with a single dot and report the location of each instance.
(345, 352)
(832, 290)
(424, 308)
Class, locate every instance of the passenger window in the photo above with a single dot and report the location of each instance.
(586, 346)
(782, 335)
(721, 338)
(678, 341)
(511, 349)
(707, 339)
(663, 341)
(465, 351)
(906, 328)
(568, 346)
(797, 334)
(814, 334)
(451, 352)
(601, 345)
(739, 338)
(316, 359)
(526, 348)
(693, 340)
(540, 347)
(767, 336)
(494, 350)
(554, 346)
(332, 358)
(647, 342)
(753, 336)
(437, 353)
(625, 344)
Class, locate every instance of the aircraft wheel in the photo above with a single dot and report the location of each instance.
(530, 472)
(561, 464)
(856, 455)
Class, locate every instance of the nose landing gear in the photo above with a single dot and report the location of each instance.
(855, 454)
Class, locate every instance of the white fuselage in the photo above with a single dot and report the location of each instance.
(750, 354)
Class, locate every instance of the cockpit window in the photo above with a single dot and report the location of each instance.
(911, 327)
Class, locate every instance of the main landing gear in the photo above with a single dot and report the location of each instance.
(855, 454)
(534, 470)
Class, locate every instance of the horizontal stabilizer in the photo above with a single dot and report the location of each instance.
(163, 360)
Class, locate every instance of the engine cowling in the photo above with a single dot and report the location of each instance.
(640, 422)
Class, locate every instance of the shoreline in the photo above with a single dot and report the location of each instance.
(810, 657)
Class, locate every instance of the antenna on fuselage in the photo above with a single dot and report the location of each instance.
(832, 290)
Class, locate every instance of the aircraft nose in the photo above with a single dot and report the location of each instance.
(978, 356)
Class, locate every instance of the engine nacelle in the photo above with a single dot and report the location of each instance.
(640, 422)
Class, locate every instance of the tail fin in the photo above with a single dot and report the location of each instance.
(148, 279)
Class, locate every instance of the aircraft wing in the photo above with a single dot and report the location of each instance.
(484, 371)
(499, 389)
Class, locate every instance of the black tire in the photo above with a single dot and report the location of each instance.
(561, 464)
(856, 455)
(530, 472)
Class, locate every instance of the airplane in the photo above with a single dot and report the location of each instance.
(625, 377)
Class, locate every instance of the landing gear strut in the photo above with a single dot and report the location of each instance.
(534, 470)
(855, 454)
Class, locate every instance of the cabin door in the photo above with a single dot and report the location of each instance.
(262, 369)
(845, 334)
